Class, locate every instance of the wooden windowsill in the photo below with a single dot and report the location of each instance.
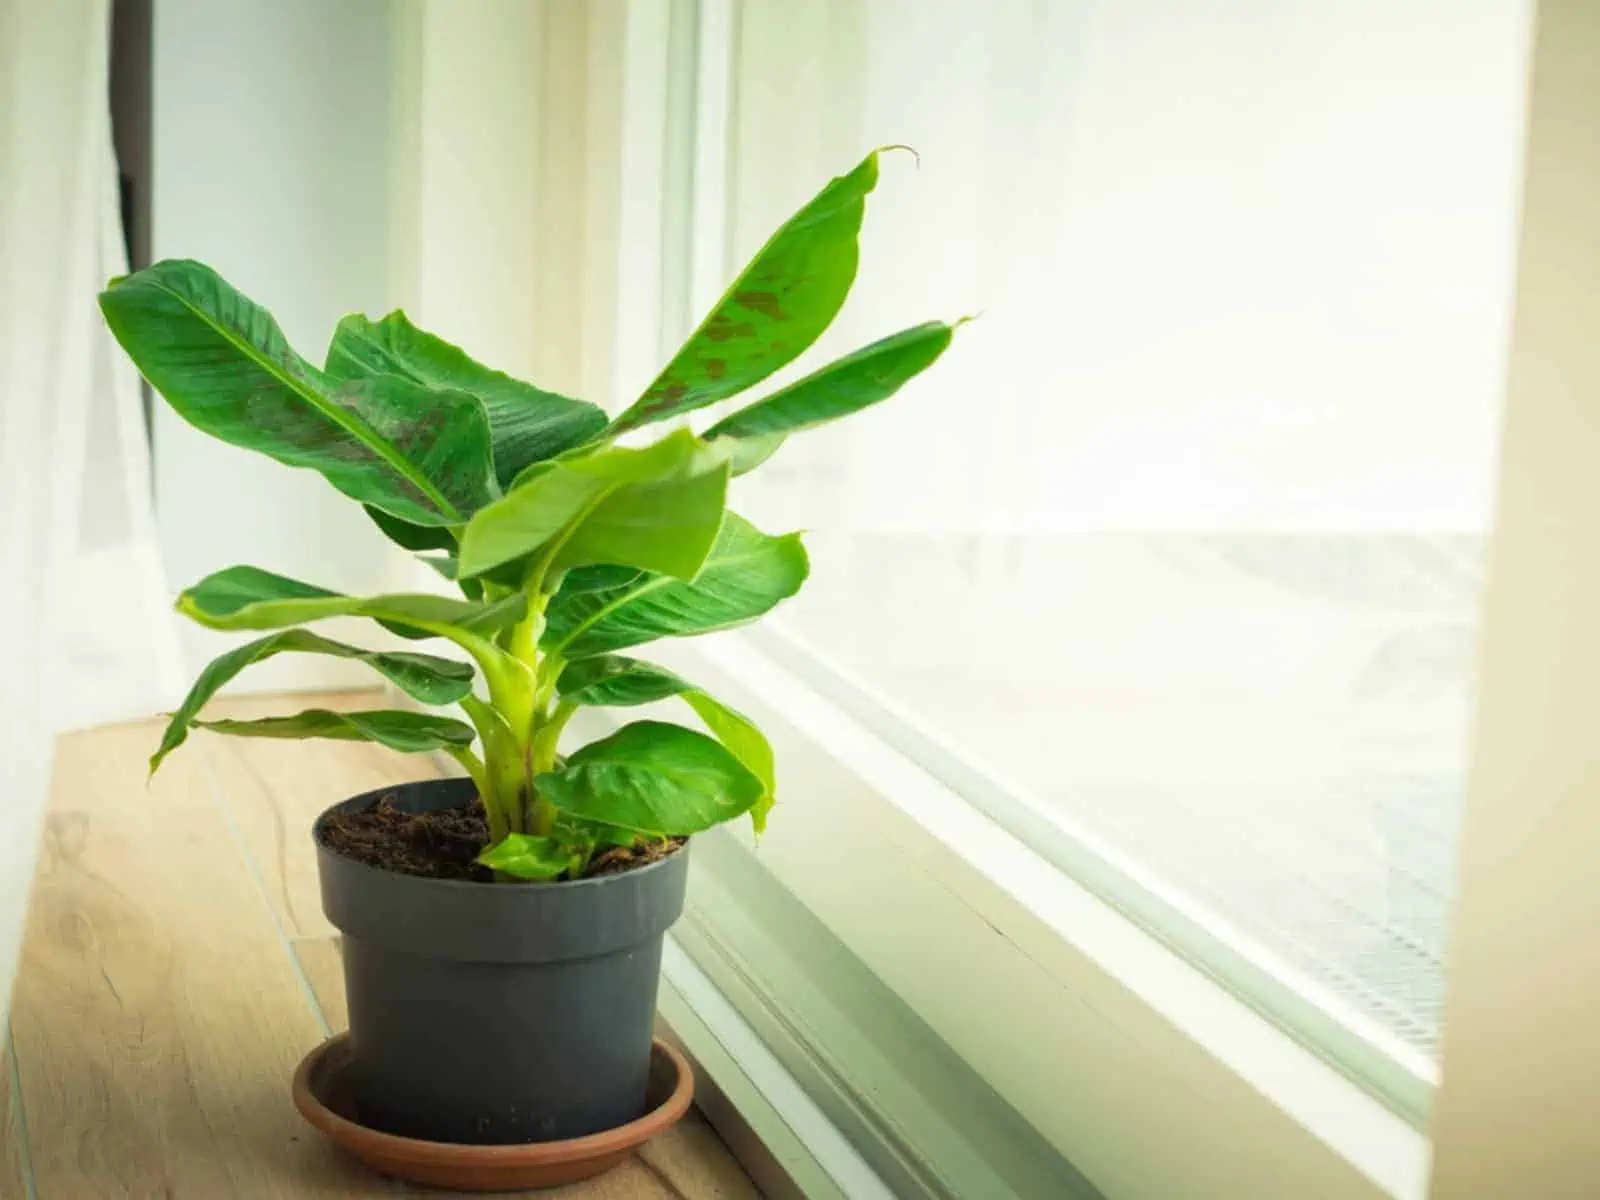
(178, 965)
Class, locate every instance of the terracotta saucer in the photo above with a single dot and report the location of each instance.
(322, 1094)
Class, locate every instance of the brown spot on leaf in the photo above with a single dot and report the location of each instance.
(765, 303)
(722, 328)
(716, 367)
(658, 399)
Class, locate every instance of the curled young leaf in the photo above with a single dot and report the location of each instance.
(421, 676)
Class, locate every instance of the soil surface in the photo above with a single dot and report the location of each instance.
(437, 845)
(617, 859)
(445, 844)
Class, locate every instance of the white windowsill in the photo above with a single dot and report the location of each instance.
(1096, 953)
(780, 1136)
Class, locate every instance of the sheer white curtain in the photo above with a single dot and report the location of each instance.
(82, 602)
(1238, 264)
(1181, 539)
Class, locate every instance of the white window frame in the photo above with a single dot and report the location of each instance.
(1177, 1086)
(1156, 1080)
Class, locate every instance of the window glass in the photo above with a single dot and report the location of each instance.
(1183, 538)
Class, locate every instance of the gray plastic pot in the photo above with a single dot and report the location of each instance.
(495, 1013)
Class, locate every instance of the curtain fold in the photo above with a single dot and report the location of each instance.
(82, 598)
(1182, 538)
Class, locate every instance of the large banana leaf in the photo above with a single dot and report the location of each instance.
(657, 508)
(654, 778)
(410, 732)
(528, 424)
(421, 676)
(847, 385)
(611, 680)
(746, 573)
(225, 367)
(741, 738)
(250, 598)
(780, 304)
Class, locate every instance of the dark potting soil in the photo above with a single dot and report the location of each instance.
(445, 843)
(617, 859)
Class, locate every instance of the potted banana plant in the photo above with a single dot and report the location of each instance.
(502, 932)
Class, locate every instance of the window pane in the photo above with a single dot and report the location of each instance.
(1184, 535)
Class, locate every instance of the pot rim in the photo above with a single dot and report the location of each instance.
(349, 863)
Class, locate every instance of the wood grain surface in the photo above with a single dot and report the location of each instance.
(13, 1173)
(177, 967)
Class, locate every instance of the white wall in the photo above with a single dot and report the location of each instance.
(273, 157)
(1515, 1113)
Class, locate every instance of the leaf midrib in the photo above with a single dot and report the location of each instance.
(361, 723)
(644, 589)
(338, 416)
(629, 419)
(458, 631)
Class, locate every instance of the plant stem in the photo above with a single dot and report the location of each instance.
(505, 784)
(518, 731)
(548, 739)
(546, 678)
(525, 636)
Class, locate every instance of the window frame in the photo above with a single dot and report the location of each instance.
(1149, 1041)
(1347, 1040)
